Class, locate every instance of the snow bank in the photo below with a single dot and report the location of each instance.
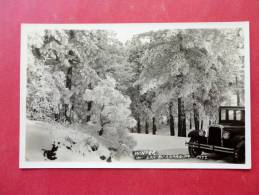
(72, 145)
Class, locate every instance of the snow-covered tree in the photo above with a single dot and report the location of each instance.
(180, 65)
(83, 57)
(43, 94)
(141, 103)
(112, 114)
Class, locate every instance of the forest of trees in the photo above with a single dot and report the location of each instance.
(175, 78)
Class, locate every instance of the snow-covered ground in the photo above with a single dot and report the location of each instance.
(41, 135)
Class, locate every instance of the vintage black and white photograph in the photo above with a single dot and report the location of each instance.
(151, 95)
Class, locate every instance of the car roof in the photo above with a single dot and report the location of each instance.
(232, 107)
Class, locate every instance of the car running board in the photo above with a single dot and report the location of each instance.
(211, 147)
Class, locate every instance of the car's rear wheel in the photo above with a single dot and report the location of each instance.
(194, 151)
(239, 155)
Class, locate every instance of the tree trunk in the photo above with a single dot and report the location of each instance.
(190, 122)
(196, 117)
(237, 92)
(103, 122)
(88, 118)
(138, 125)
(201, 124)
(89, 105)
(238, 98)
(171, 119)
(172, 125)
(67, 111)
(146, 127)
(154, 126)
(69, 78)
(56, 116)
(184, 125)
(181, 119)
(101, 132)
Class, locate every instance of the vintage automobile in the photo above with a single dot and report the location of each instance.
(228, 136)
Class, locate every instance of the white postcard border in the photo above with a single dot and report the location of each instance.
(26, 28)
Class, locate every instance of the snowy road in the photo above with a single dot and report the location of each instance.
(172, 145)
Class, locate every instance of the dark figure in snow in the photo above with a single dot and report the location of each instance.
(109, 159)
(51, 154)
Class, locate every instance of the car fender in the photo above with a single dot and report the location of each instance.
(194, 133)
(237, 139)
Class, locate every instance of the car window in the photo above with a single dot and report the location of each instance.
(238, 115)
(223, 114)
(231, 115)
